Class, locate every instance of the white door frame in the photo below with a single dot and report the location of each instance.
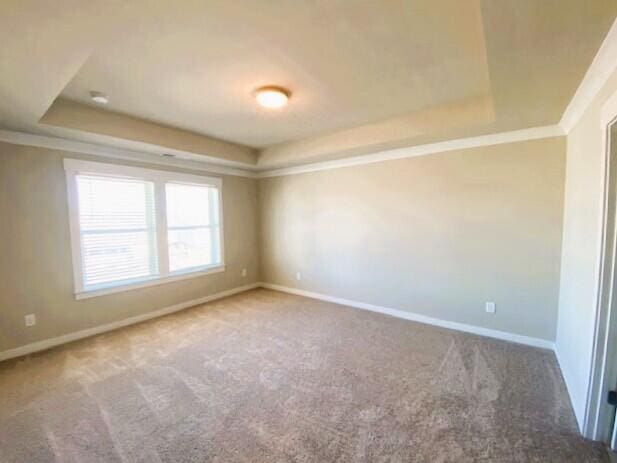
(603, 375)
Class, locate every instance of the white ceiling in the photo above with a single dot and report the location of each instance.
(346, 62)
(363, 73)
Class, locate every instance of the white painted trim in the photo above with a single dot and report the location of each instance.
(74, 234)
(562, 366)
(79, 166)
(148, 283)
(534, 133)
(62, 144)
(221, 223)
(159, 178)
(505, 336)
(596, 420)
(602, 67)
(49, 343)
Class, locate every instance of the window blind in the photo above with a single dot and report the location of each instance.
(117, 226)
(192, 226)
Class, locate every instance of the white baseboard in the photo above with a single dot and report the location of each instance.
(48, 343)
(580, 418)
(503, 335)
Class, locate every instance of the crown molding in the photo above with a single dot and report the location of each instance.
(534, 133)
(63, 144)
(602, 67)
(42, 141)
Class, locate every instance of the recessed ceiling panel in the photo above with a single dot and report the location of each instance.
(195, 64)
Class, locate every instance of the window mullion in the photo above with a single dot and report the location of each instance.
(161, 227)
(214, 223)
(75, 233)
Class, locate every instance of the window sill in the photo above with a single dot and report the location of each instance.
(151, 282)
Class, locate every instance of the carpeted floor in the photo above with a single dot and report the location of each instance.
(268, 377)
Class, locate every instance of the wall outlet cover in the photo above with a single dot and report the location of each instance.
(490, 307)
(30, 319)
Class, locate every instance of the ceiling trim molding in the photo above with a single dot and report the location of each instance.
(62, 144)
(534, 133)
(602, 67)
(43, 141)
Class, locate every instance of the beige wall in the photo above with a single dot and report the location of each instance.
(436, 235)
(581, 235)
(35, 264)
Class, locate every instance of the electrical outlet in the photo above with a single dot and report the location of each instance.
(298, 276)
(243, 273)
(30, 319)
(490, 307)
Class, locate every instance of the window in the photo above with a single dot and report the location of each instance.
(117, 230)
(192, 233)
(134, 227)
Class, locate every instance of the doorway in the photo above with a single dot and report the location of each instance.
(600, 423)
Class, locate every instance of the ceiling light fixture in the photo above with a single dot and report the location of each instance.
(99, 97)
(272, 97)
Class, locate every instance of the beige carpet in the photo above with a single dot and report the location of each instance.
(268, 377)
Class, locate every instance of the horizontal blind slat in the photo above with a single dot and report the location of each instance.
(117, 229)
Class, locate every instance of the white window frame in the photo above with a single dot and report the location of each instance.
(73, 167)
